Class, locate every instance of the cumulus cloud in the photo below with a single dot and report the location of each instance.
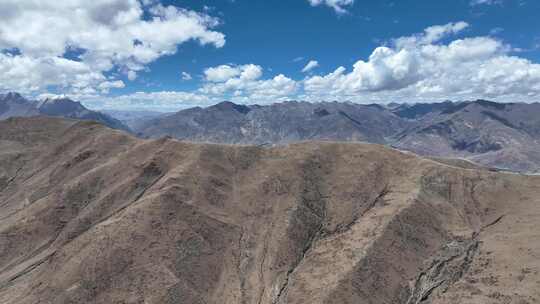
(74, 44)
(225, 72)
(244, 82)
(241, 84)
(337, 5)
(312, 64)
(421, 66)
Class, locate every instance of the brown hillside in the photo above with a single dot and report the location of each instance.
(92, 215)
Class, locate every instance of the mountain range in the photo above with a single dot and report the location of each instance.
(504, 136)
(15, 105)
(94, 215)
(498, 135)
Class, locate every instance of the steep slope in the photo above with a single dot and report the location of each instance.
(15, 105)
(279, 123)
(93, 215)
(492, 134)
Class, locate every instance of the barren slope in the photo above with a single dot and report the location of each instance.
(92, 215)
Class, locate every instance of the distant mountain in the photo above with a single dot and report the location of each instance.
(420, 110)
(489, 133)
(65, 107)
(133, 118)
(285, 122)
(493, 134)
(15, 105)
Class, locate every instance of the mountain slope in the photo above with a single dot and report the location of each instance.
(15, 105)
(492, 134)
(93, 215)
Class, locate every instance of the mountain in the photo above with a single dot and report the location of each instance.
(278, 123)
(505, 136)
(15, 105)
(93, 215)
(493, 134)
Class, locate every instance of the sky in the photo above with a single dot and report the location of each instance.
(166, 55)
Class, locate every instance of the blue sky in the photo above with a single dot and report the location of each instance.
(274, 33)
(197, 54)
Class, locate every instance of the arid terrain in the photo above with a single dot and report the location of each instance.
(93, 215)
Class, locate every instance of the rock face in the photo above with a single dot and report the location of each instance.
(15, 105)
(492, 134)
(92, 215)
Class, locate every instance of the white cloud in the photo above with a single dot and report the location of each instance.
(431, 65)
(225, 72)
(73, 44)
(243, 83)
(221, 73)
(24, 74)
(131, 75)
(486, 2)
(312, 64)
(157, 101)
(107, 85)
(431, 34)
(337, 5)
(420, 66)
(186, 76)
(245, 87)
